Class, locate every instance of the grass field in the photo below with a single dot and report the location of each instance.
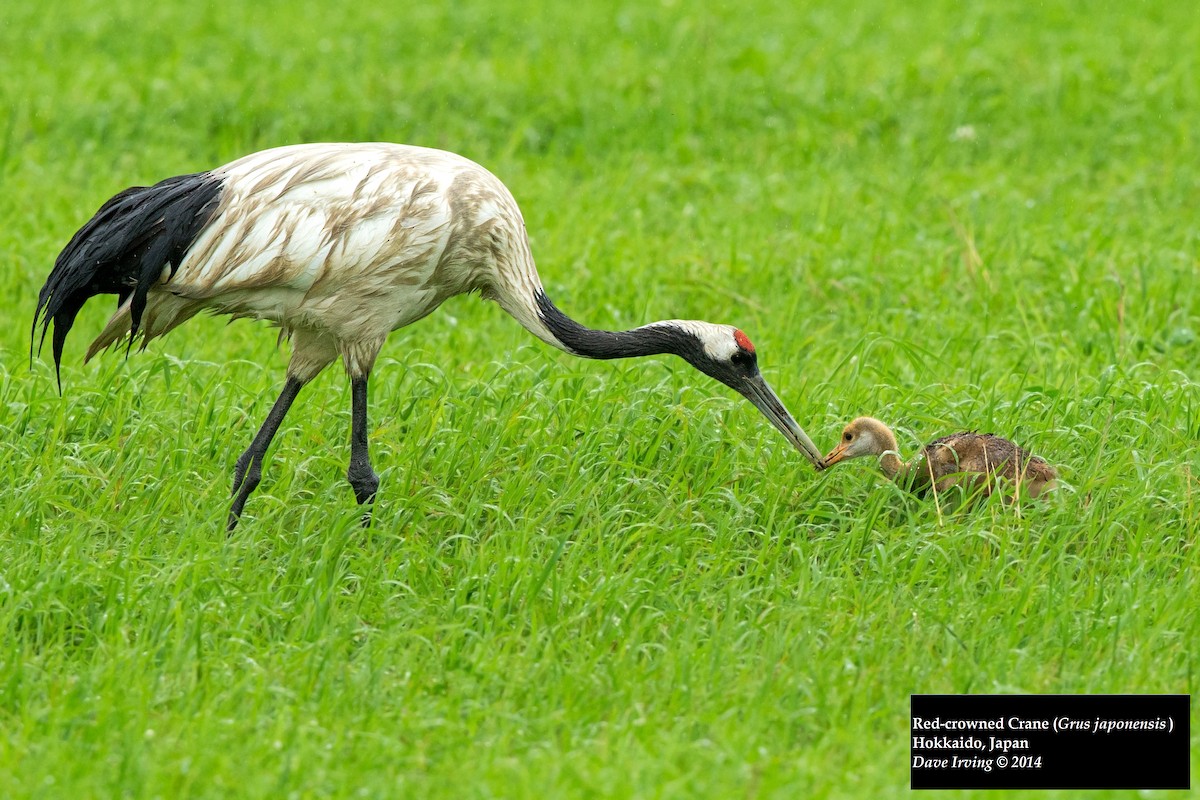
(610, 579)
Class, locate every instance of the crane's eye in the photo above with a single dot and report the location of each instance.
(848, 436)
(742, 358)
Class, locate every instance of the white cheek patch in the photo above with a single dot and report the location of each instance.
(718, 340)
(720, 347)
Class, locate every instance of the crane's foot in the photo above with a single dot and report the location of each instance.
(363, 479)
(246, 477)
(248, 472)
(365, 484)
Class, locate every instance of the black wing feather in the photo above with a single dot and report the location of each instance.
(122, 250)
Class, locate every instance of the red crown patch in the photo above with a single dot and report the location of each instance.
(743, 341)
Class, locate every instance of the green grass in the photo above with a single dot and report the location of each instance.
(610, 579)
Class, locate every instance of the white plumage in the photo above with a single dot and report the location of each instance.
(340, 244)
(303, 235)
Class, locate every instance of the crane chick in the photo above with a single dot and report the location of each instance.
(971, 460)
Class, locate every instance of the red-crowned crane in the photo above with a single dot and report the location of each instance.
(339, 245)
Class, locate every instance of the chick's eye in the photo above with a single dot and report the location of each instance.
(848, 436)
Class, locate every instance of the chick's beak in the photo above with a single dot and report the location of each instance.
(836, 454)
(757, 391)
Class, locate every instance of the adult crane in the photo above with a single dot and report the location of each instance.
(340, 244)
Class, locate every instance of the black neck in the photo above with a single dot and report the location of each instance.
(645, 341)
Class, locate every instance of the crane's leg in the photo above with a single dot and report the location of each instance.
(363, 479)
(249, 466)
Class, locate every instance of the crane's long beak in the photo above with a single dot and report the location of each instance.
(757, 391)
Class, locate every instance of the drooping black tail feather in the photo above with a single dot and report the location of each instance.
(122, 250)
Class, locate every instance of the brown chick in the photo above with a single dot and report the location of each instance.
(967, 459)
